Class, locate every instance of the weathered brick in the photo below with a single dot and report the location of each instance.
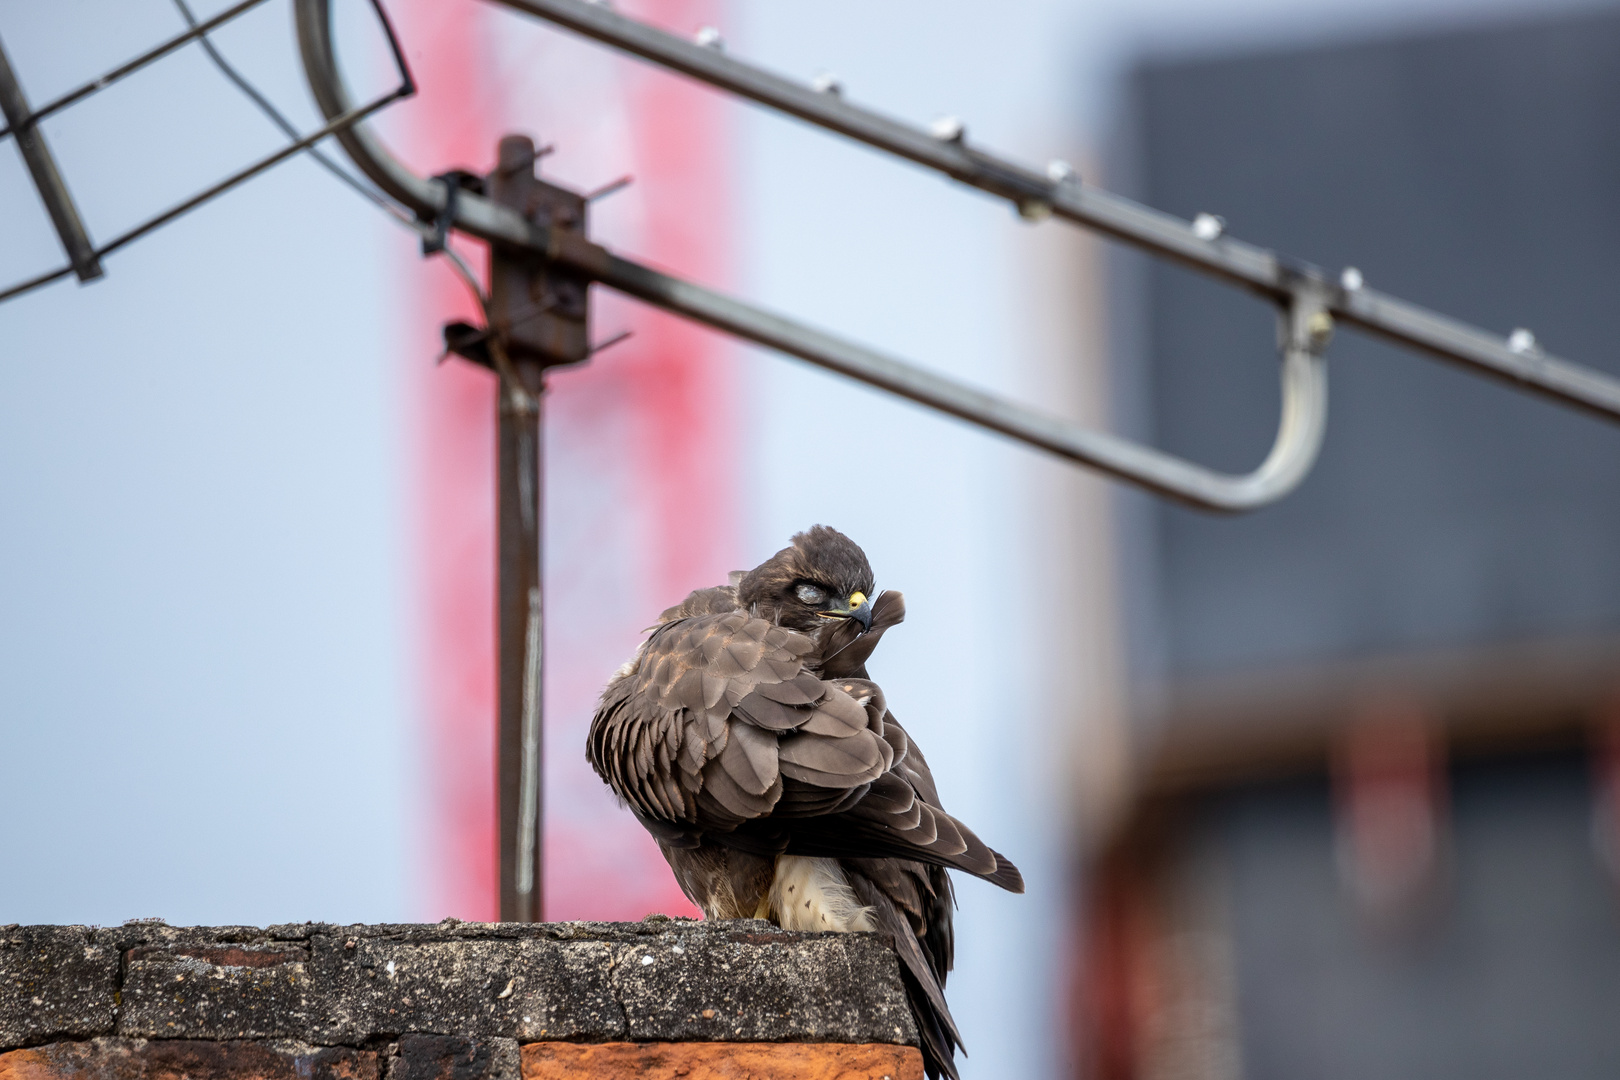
(453, 1057)
(721, 1061)
(739, 982)
(207, 989)
(55, 982)
(525, 988)
(186, 1059)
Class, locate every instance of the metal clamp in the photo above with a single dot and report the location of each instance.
(1304, 378)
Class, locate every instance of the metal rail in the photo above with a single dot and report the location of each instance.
(1059, 193)
(1306, 326)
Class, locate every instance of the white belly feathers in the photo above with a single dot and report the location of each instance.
(813, 894)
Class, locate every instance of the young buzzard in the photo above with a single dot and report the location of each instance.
(746, 736)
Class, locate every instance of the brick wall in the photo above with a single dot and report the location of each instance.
(452, 1001)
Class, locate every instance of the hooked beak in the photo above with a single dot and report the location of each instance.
(859, 608)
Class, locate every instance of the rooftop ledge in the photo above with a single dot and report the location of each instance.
(451, 1001)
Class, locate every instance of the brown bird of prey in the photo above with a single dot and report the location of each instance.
(747, 737)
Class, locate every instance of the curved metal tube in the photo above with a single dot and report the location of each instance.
(1060, 194)
(1305, 327)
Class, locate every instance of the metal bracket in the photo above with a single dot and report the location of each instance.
(539, 307)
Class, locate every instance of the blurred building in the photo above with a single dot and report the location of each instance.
(1373, 830)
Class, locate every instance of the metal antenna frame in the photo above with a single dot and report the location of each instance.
(84, 257)
(1309, 302)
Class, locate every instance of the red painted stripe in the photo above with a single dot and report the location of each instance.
(642, 483)
(683, 384)
(451, 420)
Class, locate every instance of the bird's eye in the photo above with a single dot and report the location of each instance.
(811, 595)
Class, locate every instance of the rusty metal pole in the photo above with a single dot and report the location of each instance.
(537, 320)
(520, 623)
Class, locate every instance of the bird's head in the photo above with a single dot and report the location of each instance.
(821, 580)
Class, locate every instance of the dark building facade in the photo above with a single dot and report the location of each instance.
(1374, 834)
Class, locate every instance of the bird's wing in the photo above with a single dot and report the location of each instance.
(718, 711)
(722, 729)
(898, 816)
(910, 764)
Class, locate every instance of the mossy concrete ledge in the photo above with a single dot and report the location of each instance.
(451, 1001)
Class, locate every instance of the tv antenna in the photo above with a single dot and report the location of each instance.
(22, 123)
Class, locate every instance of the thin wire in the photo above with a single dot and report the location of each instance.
(34, 283)
(199, 32)
(104, 81)
(265, 106)
(377, 199)
(353, 116)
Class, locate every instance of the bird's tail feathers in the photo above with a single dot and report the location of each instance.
(936, 1028)
(1006, 874)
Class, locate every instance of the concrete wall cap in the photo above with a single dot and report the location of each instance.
(321, 984)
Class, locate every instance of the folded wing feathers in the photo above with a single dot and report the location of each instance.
(762, 712)
(750, 759)
(720, 724)
(714, 688)
(838, 716)
(861, 758)
(1006, 875)
(803, 689)
(741, 655)
(800, 799)
(783, 668)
